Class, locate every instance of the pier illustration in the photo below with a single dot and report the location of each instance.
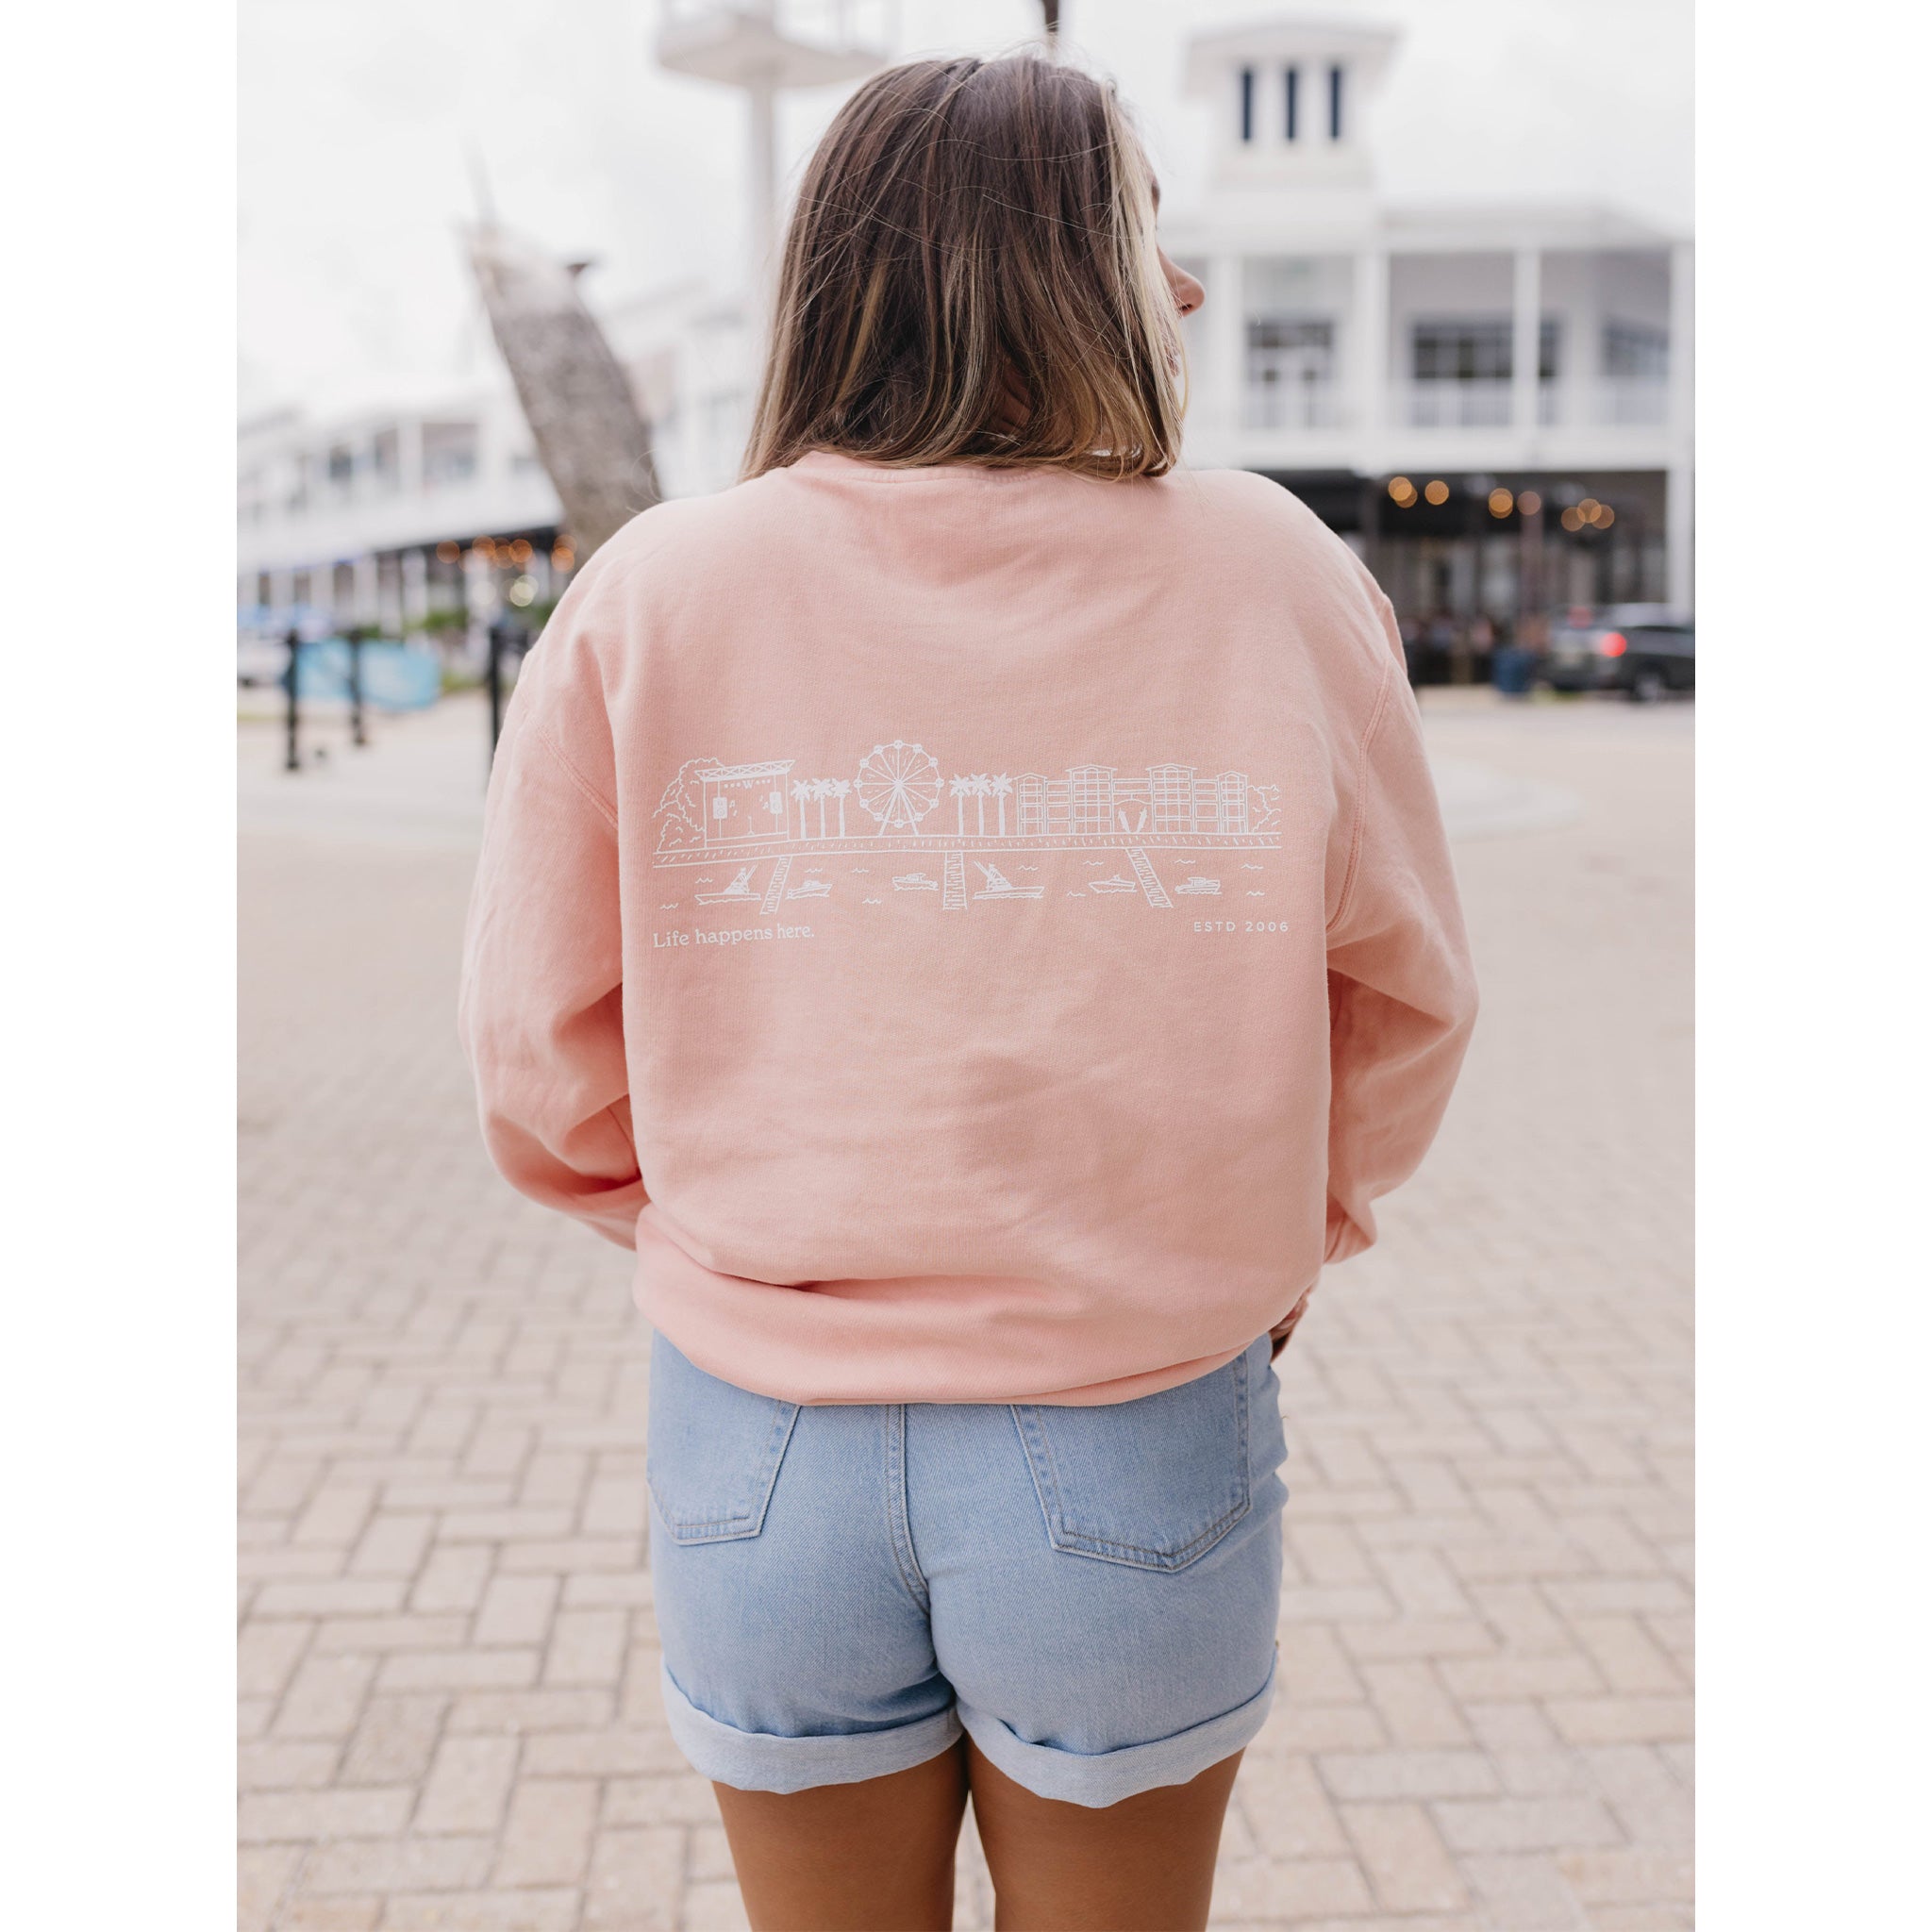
(760, 817)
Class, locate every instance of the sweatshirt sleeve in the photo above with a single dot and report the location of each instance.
(1402, 995)
(541, 1006)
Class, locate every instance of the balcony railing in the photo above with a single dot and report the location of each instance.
(1292, 406)
(1490, 403)
(1451, 403)
(1630, 399)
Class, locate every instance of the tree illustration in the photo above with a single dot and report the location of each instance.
(961, 789)
(801, 791)
(841, 790)
(1003, 790)
(821, 789)
(982, 790)
(680, 812)
(1264, 808)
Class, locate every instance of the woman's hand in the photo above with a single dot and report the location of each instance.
(1286, 1326)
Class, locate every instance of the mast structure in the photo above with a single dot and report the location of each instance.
(591, 436)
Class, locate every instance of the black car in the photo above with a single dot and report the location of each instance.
(1642, 650)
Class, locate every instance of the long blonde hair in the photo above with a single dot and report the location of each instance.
(970, 232)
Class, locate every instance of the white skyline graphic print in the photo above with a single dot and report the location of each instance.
(983, 837)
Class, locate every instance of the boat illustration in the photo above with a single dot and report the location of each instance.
(1116, 884)
(914, 882)
(811, 889)
(998, 886)
(739, 888)
(1197, 883)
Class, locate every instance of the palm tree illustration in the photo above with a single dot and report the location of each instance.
(982, 790)
(821, 789)
(841, 790)
(1003, 790)
(962, 790)
(801, 791)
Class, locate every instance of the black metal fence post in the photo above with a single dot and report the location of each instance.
(357, 734)
(292, 759)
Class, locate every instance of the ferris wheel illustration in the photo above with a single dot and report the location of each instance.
(898, 784)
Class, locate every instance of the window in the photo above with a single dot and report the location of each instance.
(1461, 351)
(1335, 103)
(1290, 371)
(1635, 352)
(341, 466)
(449, 451)
(1291, 90)
(1247, 104)
(386, 458)
(1481, 351)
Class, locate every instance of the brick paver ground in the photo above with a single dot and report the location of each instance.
(449, 1714)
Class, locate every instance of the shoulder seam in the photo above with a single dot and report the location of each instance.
(604, 810)
(1361, 771)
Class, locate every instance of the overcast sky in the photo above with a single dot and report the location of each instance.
(356, 117)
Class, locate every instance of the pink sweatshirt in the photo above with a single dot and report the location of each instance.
(979, 935)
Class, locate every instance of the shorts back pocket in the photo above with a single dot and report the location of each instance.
(1154, 1483)
(712, 1450)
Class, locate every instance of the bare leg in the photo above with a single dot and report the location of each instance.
(1143, 1865)
(874, 1857)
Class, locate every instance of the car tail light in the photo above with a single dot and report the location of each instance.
(1613, 643)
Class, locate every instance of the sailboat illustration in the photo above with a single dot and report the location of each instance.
(1197, 883)
(998, 886)
(739, 888)
(1116, 884)
(914, 882)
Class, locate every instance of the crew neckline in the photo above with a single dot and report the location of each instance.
(840, 460)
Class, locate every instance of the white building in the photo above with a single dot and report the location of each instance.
(1377, 357)
(1422, 376)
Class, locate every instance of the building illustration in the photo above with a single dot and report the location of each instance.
(1171, 801)
(746, 802)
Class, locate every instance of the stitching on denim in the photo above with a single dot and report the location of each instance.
(898, 1510)
(750, 1520)
(1039, 1445)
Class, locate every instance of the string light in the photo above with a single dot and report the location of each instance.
(447, 551)
(1606, 516)
(1438, 492)
(1403, 491)
(1529, 504)
(520, 551)
(1573, 519)
(524, 591)
(1501, 503)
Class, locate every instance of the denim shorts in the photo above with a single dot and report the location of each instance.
(1092, 1592)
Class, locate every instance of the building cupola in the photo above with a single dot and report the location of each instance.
(1289, 98)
